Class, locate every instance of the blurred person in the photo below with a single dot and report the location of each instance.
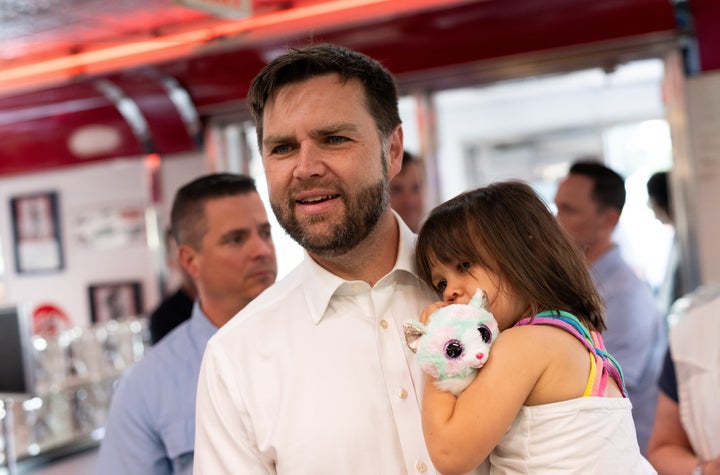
(314, 376)
(686, 436)
(589, 202)
(672, 287)
(407, 191)
(225, 246)
(176, 308)
(658, 189)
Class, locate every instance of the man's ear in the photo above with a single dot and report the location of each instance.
(187, 257)
(395, 152)
(611, 217)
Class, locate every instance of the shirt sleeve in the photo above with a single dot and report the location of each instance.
(224, 440)
(668, 381)
(130, 445)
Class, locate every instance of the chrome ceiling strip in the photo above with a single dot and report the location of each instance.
(183, 103)
(130, 111)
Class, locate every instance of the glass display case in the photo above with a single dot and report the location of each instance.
(75, 374)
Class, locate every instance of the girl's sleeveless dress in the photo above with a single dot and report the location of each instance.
(588, 435)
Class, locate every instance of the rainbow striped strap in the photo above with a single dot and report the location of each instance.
(599, 357)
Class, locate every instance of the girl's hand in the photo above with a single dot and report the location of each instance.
(425, 317)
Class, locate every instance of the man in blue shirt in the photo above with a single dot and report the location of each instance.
(589, 202)
(224, 244)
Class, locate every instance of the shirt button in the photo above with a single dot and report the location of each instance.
(421, 467)
(383, 324)
(402, 393)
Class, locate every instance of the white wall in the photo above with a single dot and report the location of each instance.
(515, 110)
(703, 108)
(532, 128)
(91, 191)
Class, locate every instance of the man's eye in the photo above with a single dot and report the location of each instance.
(335, 139)
(281, 149)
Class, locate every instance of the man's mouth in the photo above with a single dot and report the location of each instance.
(317, 199)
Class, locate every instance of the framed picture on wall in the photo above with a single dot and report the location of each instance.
(36, 233)
(115, 301)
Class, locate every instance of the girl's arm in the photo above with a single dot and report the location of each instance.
(460, 432)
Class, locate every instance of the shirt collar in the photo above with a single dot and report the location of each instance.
(201, 328)
(320, 285)
(406, 251)
(608, 261)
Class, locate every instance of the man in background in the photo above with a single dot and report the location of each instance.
(589, 202)
(225, 246)
(407, 191)
(672, 286)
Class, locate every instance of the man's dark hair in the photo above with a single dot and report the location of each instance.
(658, 192)
(187, 217)
(298, 65)
(608, 186)
(408, 158)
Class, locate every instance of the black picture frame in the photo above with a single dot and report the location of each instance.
(36, 233)
(115, 301)
(17, 373)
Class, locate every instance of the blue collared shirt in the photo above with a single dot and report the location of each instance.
(635, 334)
(151, 424)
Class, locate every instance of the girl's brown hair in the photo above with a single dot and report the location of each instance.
(507, 228)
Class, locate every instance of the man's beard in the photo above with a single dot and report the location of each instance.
(362, 213)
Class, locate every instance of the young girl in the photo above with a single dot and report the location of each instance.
(549, 399)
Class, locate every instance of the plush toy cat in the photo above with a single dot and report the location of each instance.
(455, 343)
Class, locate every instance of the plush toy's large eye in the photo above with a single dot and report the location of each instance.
(485, 333)
(453, 349)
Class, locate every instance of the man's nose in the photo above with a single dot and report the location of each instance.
(309, 161)
(262, 246)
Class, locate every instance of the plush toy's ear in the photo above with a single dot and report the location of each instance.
(413, 331)
(480, 300)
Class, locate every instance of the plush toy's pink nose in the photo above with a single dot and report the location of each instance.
(480, 356)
